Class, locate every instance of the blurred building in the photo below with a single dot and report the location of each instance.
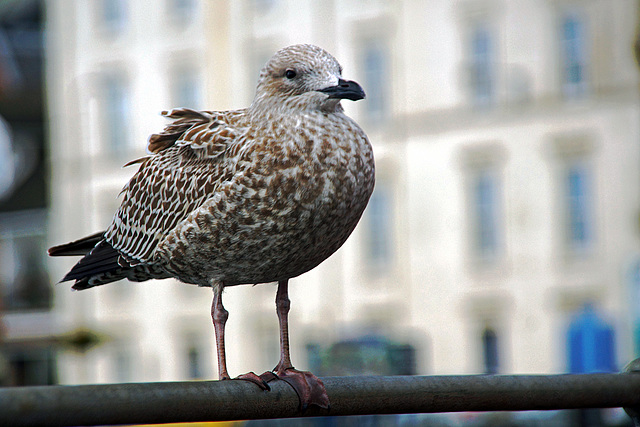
(112, 67)
(506, 135)
(27, 352)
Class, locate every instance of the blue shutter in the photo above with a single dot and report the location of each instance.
(591, 343)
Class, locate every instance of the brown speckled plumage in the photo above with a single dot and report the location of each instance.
(246, 196)
(249, 196)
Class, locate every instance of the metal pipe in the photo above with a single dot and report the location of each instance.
(150, 403)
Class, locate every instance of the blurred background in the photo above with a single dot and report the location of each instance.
(503, 235)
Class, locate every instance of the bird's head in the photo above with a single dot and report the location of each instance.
(304, 77)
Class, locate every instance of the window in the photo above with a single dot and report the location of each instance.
(482, 76)
(185, 88)
(24, 281)
(490, 351)
(573, 56)
(376, 80)
(314, 357)
(194, 359)
(578, 209)
(576, 193)
(380, 227)
(7, 162)
(264, 6)
(183, 12)
(122, 363)
(30, 365)
(485, 213)
(195, 363)
(113, 14)
(116, 114)
(590, 342)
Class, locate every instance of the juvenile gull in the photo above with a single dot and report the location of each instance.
(250, 196)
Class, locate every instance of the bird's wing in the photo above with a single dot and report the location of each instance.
(208, 133)
(188, 160)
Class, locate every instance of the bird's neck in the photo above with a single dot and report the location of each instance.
(276, 108)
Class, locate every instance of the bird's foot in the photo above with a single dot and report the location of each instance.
(259, 380)
(308, 387)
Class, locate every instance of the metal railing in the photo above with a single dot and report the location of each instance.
(152, 403)
(232, 400)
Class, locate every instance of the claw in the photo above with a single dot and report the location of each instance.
(268, 376)
(253, 378)
(308, 387)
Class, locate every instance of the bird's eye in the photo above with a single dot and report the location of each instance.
(290, 74)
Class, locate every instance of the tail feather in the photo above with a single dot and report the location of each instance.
(102, 263)
(99, 265)
(101, 259)
(78, 247)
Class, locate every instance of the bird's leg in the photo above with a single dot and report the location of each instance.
(220, 315)
(309, 388)
(283, 304)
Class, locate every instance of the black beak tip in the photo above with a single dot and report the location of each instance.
(345, 89)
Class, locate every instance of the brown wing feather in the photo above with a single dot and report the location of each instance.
(188, 163)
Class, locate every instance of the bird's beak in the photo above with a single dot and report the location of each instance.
(346, 89)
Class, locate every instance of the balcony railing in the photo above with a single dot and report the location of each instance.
(150, 403)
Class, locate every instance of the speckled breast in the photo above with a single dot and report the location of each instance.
(288, 207)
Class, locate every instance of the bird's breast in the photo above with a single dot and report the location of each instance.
(292, 202)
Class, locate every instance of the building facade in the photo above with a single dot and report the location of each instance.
(507, 192)
(113, 66)
(27, 338)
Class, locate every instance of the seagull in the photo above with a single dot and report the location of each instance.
(249, 196)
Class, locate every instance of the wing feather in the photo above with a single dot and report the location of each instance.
(188, 163)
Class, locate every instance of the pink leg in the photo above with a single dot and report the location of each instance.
(309, 388)
(283, 304)
(220, 315)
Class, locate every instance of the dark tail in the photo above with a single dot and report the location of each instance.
(99, 265)
(78, 247)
